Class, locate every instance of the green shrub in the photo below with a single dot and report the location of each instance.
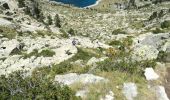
(153, 16)
(162, 56)
(71, 32)
(115, 43)
(33, 53)
(19, 87)
(57, 21)
(157, 30)
(118, 31)
(125, 65)
(64, 35)
(165, 24)
(49, 20)
(61, 68)
(21, 3)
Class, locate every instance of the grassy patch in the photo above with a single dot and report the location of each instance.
(8, 32)
(44, 53)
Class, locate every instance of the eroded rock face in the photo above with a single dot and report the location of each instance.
(72, 78)
(130, 90)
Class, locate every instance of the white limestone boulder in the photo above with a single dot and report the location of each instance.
(130, 90)
(72, 78)
(150, 74)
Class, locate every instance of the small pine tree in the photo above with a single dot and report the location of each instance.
(57, 21)
(21, 3)
(49, 20)
(153, 16)
(71, 31)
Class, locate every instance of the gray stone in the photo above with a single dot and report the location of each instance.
(130, 90)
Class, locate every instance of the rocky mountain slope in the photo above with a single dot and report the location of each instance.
(113, 51)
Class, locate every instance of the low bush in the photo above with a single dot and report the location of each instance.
(165, 24)
(118, 31)
(19, 87)
(64, 33)
(125, 65)
(61, 68)
(162, 56)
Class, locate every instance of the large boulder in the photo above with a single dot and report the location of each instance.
(72, 78)
(145, 52)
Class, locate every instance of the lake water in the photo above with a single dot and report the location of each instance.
(78, 3)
